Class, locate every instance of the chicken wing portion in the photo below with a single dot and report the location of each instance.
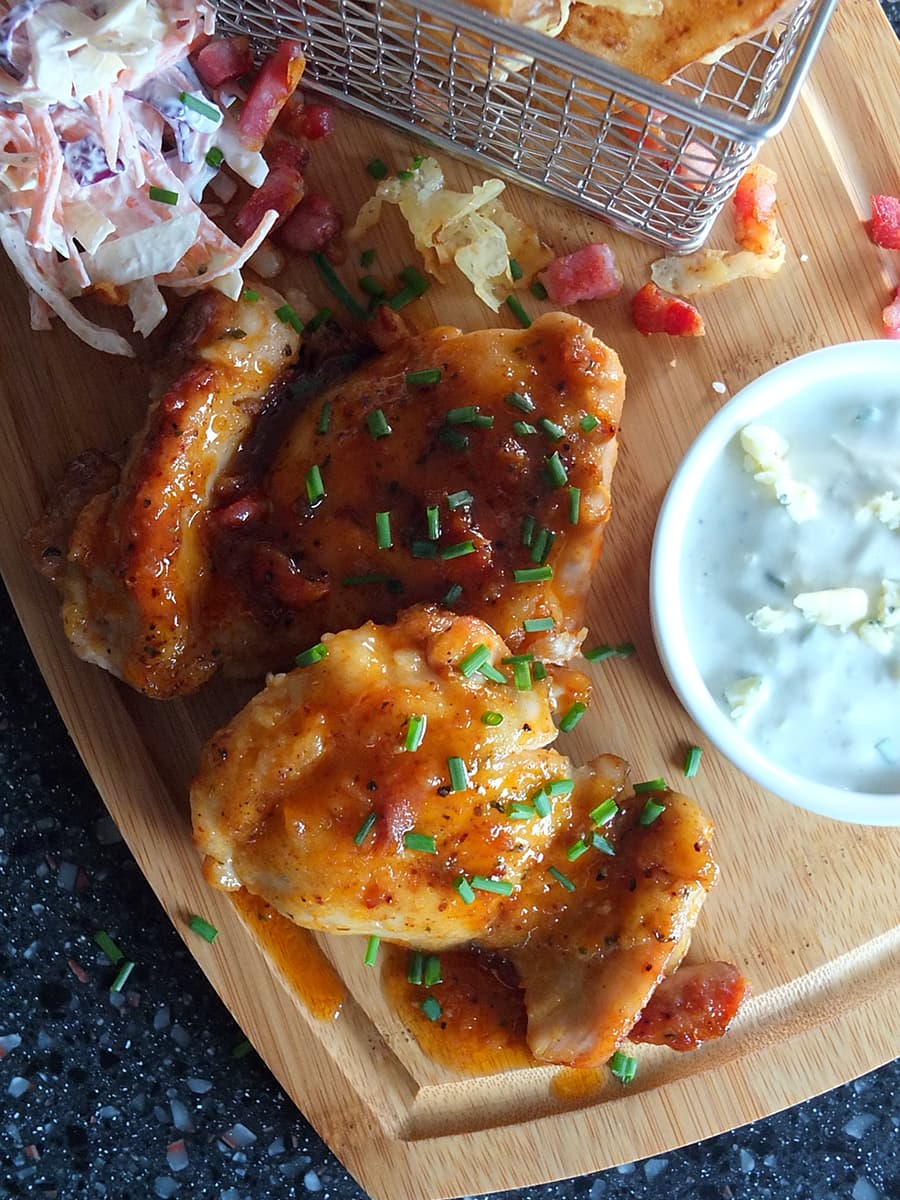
(402, 785)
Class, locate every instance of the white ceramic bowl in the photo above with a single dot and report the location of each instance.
(820, 373)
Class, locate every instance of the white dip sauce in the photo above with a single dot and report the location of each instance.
(815, 685)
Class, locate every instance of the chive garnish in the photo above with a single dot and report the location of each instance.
(499, 887)
(241, 1050)
(415, 732)
(315, 488)
(623, 1067)
(541, 802)
(598, 653)
(515, 270)
(453, 593)
(604, 812)
(553, 431)
(377, 423)
(337, 289)
(489, 671)
(459, 778)
(203, 929)
(416, 967)
(538, 624)
(539, 672)
(365, 829)
(692, 762)
(474, 660)
(200, 106)
(452, 437)
(533, 574)
(523, 429)
(462, 416)
(419, 549)
(414, 279)
(377, 169)
(311, 656)
(572, 717)
(521, 812)
(650, 812)
(108, 946)
(423, 378)
(522, 403)
(522, 676)
(458, 550)
(400, 299)
(383, 530)
(517, 658)
(518, 311)
(367, 257)
(588, 422)
(576, 850)
(528, 524)
(492, 719)
(323, 315)
(163, 195)
(370, 285)
(562, 880)
(556, 472)
(431, 1008)
(650, 785)
(422, 843)
(433, 518)
(574, 505)
(542, 545)
(324, 422)
(372, 950)
(464, 889)
(560, 787)
(538, 290)
(600, 843)
(250, 295)
(214, 157)
(459, 499)
(124, 971)
(287, 316)
(432, 972)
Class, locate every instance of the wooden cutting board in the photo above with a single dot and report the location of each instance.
(808, 908)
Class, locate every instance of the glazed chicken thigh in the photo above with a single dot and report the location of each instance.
(404, 784)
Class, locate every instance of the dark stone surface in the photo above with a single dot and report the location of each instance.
(140, 1094)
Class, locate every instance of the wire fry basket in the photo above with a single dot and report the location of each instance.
(658, 161)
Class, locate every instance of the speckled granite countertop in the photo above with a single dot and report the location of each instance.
(150, 1092)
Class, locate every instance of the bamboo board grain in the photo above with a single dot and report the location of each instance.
(808, 908)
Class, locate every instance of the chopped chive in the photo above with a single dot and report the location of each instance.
(462, 416)
(650, 785)
(523, 429)
(562, 880)
(203, 929)
(365, 829)
(474, 660)
(406, 174)
(311, 656)
(574, 505)
(538, 624)
(604, 812)
(515, 270)
(588, 422)
(539, 672)
(522, 403)
(576, 850)
(324, 422)
(122, 978)
(108, 946)
(517, 658)
(492, 719)
(383, 530)
(432, 972)
(538, 290)
(377, 423)
(599, 842)
(367, 257)
(400, 299)
(598, 653)
(521, 812)
(556, 472)
(522, 676)
(518, 311)
(214, 157)
(423, 843)
(163, 195)
(459, 776)
(623, 1067)
(416, 968)
(533, 574)
(377, 169)
(415, 732)
(370, 285)
(413, 278)
(553, 431)
(433, 517)
(692, 762)
(542, 545)
(458, 550)
(337, 289)
(323, 315)
(452, 437)
(315, 488)
(430, 1007)
(241, 1050)
(372, 947)
(419, 549)
(287, 316)
(489, 671)
(250, 295)
(460, 499)
(464, 889)
(453, 593)
(499, 887)
(572, 717)
(528, 524)
(200, 106)
(650, 812)
(423, 378)
(541, 802)
(560, 787)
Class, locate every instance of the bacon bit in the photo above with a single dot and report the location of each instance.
(282, 152)
(885, 227)
(312, 226)
(273, 86)
(222, 59)
(890, 317)
(754, 210)
(587, 274)
(78, 971)
(281, 192)
(695, 1005)
(653, 311)
(309, 121)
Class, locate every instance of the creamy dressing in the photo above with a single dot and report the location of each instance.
(814, 685)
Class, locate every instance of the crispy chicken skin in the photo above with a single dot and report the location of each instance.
(284, 795)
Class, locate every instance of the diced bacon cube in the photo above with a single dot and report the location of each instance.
(754, 210)
(223, 59)
(890, 317)
(587, 274)
(885, 228)
(275, 83)
(654, 311)
(282, 190)
(312, 226)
